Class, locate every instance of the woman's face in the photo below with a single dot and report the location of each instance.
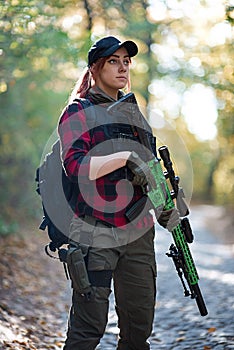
(115, 73)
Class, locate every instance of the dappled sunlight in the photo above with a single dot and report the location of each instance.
(9, 335)
(221, 251)
(216, 275)
(176, 51)
(200, 111)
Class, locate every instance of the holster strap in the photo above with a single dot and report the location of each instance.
(100, 278)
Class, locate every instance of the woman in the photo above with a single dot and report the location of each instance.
(108, 181)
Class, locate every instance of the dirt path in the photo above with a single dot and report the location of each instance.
(33, 288)
(35, 295)
(178, 324)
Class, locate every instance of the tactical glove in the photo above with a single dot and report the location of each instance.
(169, 219)
(139, 169)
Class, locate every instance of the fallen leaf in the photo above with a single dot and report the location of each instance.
(180, 339)
(211, 329)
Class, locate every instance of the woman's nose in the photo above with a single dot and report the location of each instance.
(122, 66)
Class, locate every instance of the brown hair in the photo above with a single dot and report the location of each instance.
(87, 79)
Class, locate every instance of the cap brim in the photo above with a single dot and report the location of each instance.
(129, 45)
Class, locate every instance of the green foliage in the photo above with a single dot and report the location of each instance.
(31, 49)
(43, 48)
(7, 228)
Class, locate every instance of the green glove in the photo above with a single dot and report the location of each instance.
(139, 169)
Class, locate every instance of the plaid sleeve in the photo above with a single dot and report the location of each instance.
(75, 143)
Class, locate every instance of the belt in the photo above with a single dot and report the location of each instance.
(95, 221)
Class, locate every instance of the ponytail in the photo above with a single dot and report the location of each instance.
(82, 85)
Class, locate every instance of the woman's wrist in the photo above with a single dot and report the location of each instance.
(103, 165)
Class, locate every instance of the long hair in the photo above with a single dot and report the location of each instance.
(87, 80)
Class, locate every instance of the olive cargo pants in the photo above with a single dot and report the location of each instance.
(133, 269)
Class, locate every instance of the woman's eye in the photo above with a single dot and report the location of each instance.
(115, 61)
(112, 61)
(126, 63)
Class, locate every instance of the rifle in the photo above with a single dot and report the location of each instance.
(162, 198)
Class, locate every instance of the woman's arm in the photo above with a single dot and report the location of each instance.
(100, 166)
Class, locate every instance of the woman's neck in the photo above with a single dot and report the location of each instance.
(103, 94)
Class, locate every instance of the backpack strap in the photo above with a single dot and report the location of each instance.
(91, 116)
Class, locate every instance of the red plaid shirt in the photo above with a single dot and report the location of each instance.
(103, 198)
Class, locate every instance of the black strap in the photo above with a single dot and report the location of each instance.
(100, 278)
(47, 250)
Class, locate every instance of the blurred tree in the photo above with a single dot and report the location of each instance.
(43, 50)
(194, 45)
(36, 55)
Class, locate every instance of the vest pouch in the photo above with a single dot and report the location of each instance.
(129, 142)
(77, 271)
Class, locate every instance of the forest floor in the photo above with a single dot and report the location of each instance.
(35, 295)
(32, 293)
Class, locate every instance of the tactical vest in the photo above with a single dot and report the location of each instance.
(119, 135)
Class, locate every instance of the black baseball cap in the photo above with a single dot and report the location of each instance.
(107, 46)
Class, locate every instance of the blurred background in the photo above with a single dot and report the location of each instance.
(183, 77)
